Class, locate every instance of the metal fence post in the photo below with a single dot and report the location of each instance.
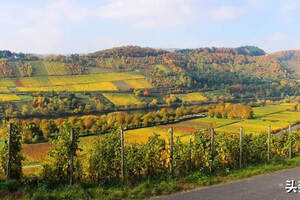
(171, 150)
(211, 149)
(190, 155)
(122, 155)
(72, 157)
(241, 146)
(269, 142)
(290, 140)
(8, 169)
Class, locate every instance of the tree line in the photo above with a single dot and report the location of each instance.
(38, 130)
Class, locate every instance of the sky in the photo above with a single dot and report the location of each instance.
(82, 26)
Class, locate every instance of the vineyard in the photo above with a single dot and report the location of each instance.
(122, 99)
(106, 159)
(91, 82)
(192, 97)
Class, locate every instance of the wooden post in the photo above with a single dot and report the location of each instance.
(211, 149)
(9, 151)
(290, 140)
(171, 151)
(122, 155)
(269, 142)
(190, 155)
(241, 146)
(72, 157)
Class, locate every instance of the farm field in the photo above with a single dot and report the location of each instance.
(254, 126)
(101, 86)
(138, 83)
(119, 99)
(91, 82)
(287, 116)
(4, 89)
(125, 85)
(268, 109)
(191, 97)
(9, 97)
(69, 80)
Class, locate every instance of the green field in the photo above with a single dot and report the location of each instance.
(286, 116)
(269, 109)
(119, 99)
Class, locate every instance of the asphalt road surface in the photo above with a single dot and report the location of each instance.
(263, 187)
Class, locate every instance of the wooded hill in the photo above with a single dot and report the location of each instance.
(245, 68)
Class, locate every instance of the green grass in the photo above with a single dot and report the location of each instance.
(269, 109)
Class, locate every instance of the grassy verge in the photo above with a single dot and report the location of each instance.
(34, 189)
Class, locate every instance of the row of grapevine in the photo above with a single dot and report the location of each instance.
(110, 160)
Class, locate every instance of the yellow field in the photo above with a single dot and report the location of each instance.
(122, 99)
(45, 89)
(101, 86)
(3, 89)
(91, 82)
(142, 135)
(253, 126)
(4, 82)
(9, 97)
(68, 80)
(138, 83)
(190, 97)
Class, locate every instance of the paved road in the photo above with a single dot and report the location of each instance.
(264, 187)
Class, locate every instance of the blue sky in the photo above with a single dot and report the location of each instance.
(81, 26)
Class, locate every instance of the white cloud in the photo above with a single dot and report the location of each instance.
(149, 14)
(287, 6)
(275, 37)
(39, 29)
(226, 13)
(277, 42)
